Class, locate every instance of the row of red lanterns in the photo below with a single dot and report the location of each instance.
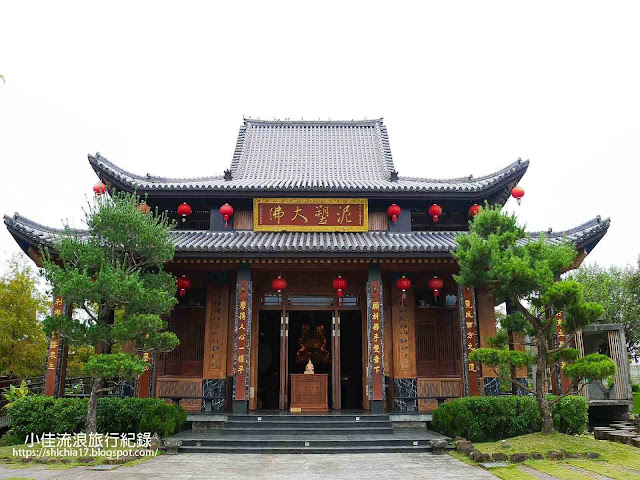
(279, 284)
(435, 210)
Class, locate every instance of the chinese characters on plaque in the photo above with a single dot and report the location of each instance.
(470, 338)
(403, 337)
(311, 214)
(54, 343)
(242, 344)
(216, 333)
(376, 358)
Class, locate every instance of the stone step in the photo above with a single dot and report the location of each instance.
(309, 430)
(294, 442)
(306, 418)
(308, 450)
(301, 424)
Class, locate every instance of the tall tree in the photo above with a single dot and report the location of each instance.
(118, 267)
(499, 255)
(23, 346)
(618, 291)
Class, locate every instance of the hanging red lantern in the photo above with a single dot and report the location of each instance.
(226, 211)
(436, 285)
(394, 212)
(340, 285)
(517, 192)
(99, 189)
(435, 211)
(184, 209)
(279, 284)
(403, 284)
(143, 207)
(474, 210)
(183, 284)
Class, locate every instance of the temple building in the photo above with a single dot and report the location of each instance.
(312, 254)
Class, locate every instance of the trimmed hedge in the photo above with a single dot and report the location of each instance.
(40, 414)
(495, 418)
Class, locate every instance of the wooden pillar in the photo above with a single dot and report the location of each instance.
(375, 330)
(242, 339)
(405, 374)
(486, 322)
(469, 340)
(144, 388)
(57, 355)
(214, 366)
(516, 343)
(559, 381)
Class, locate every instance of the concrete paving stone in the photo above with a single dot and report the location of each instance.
(390, 466)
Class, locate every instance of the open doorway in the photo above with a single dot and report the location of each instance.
(269, 360)
(351, 359)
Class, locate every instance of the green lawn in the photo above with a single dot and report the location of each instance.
(62, 462)
(614, 457)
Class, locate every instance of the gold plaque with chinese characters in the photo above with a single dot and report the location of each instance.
(310, 214)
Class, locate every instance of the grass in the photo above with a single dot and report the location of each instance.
(614, 457)
(68, 461)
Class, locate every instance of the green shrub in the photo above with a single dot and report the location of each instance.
(40, 414)
(635, 388)
(571, 415)
(495, 418)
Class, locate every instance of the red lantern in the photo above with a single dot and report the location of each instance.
(436, 285)
(517, 192)
(403, 284)
(143, 207)
(184, 209)
(183, 284)
(340, 284)
(99, 188)
(279, 284)
(474, 210)
(394, 212)
(226, 211)
(435, 211)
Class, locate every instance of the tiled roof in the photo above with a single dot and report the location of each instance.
(321, 156)
(248, 242)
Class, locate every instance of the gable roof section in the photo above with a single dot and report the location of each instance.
(240, 243)
(310, 156)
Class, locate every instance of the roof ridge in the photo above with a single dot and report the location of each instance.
(594, 222)
(97, 158)
(369, 122)
(511, 168)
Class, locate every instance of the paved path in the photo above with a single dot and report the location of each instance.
(387, 466)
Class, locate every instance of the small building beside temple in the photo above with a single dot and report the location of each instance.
(311, 249)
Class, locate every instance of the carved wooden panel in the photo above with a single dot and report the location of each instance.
(215, 335)
(437, 387)
(309, 393)
(378, 221)
(438, 348)
(404, 346)
(243, 220)
(181, 387)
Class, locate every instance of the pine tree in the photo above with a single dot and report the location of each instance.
(115, 279)
(498, 254)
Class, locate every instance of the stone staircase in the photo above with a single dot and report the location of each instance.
(305, 433)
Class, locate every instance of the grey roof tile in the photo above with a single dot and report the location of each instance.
(378, 242)
(310, 156)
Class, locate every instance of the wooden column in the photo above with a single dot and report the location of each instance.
(144, 389)
(405, 373)
(469, 340)
(486, 324)
(215, 333)
(242, 340)
(375, 329)
(57, 354)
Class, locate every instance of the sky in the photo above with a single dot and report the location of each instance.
(464, 88)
